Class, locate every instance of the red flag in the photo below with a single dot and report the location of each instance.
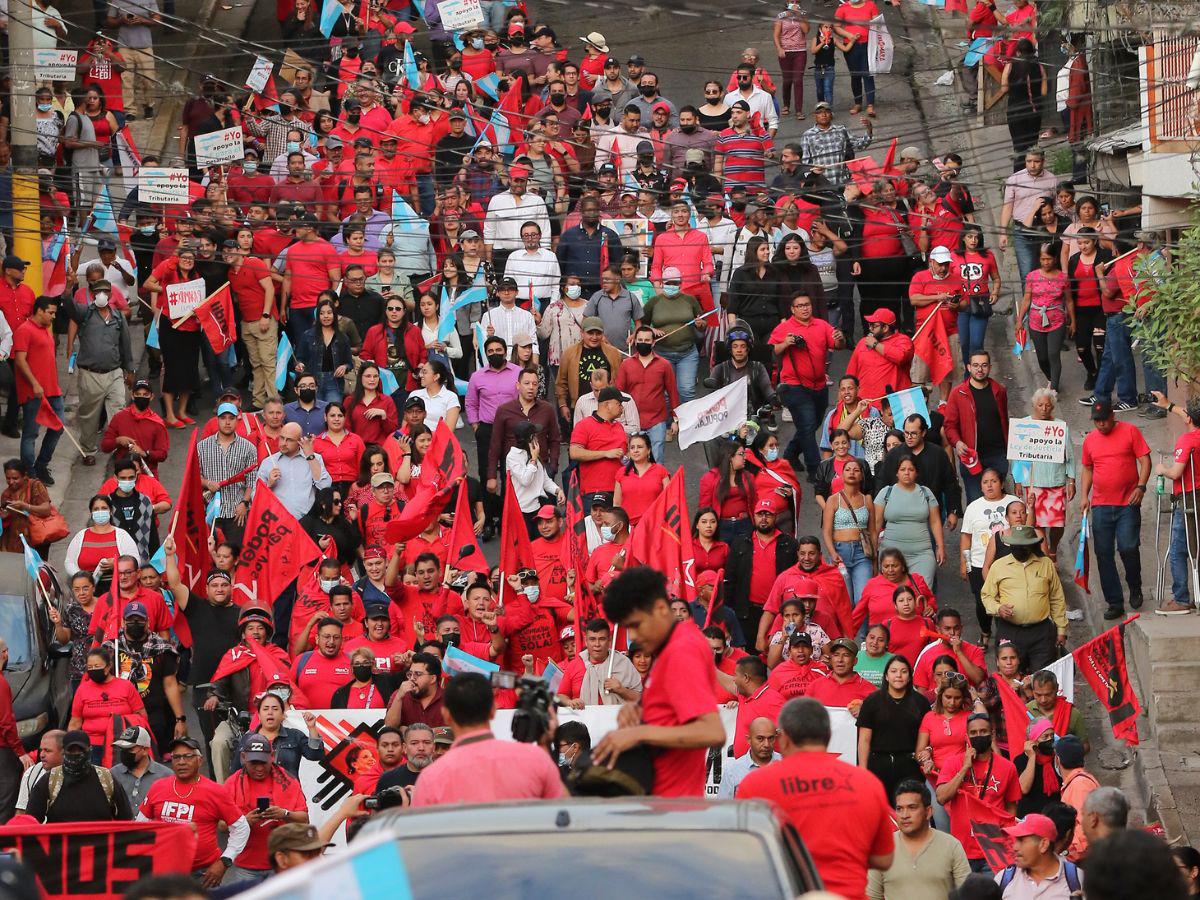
(511, 101)
(268, 666)
(987, 827)
(54, 278)
(465, 554)
(426, 285)
(864, 171)
(274, 548)
(188, 527)
(47, 417)
(933, 345)
(663, 539)
(1016, 715)
(215, 315)
(516, 551)
(423, 507)
(577, 555)
(269, 98)
(889, 159)
(442, 464)
(715, 600)
(1102, 663)
(615, 157)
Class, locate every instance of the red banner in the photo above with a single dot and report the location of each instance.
(465, 554)
(47, 417)
(215, 316)
(188, 526)
(443, 463)
(99, 860)
(577, 554)
(274, 548)
(516, 551)
(987, 827)
(1101, 661)
(1016, 715)
(663, 539)
(933, 345)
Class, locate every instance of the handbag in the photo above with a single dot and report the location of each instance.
(864, 539)
(46, 529)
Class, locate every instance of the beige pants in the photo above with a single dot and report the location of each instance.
(260, 353)
(97, 390)
(220, 752)
(137, 81)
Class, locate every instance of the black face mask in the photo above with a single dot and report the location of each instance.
(981, 744)
(285, 109)
(717, 657)
(558, 99)
(648, 90)
(142, 403)
(352, 53)
(97, 675)
(353, 118)
(739, 205)
(644, 349)
(307, 395)
(135, 631)
(705, 211)
(128, 759)
(497, 360)
(452, 639)
(362, 672)
(75, 765)
(1045, 747)
(1020, 554)
(456, 64)
(688, 129)
(602, 111)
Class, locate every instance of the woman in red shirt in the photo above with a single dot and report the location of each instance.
(851, 23)
(100, 543)
(340, 449)
(774, 477)
(883, 264)
(981, 280)
(641, 481)
(907, 628)
(396, 343)
(875, 605)
(372, 413)
(99, 697)
(1085, 289)
(180, 344)
(728, 488)
(477, 60)
(943, 732)
(710, 553)
(355, 237)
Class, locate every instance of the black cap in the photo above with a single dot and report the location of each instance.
(644, 147)
(351, 103)
(142, 385)
(1101, 410)
(609, 393)
(510, 283)
(523, 431)
(377, 611)
(607, 169)
(105, 244)
(14, 262)
(637, 59)
(542, 30)
(413, 402)
(184, 742)
(740, 104)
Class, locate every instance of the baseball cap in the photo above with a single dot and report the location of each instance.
(522, 339)
(1034, 825)
(548, 511)
(679, 184)
(189, 742)
(294, 836)
(77, 738)
(256, 748)
(764, 505)
(1101, 409)
(376, 611)
(602, 498)
(799, 637)
(637, 59)
(445, 735)
(611, 61)
(592, 323)
(136, 608)
(333, 142)
(806, 587)
(142, 385)
(467, 234)
(820, 105)
(644, 147)
(844, 644)
(414, 403)
(910, 153)
(708, 576)
(940, 254)
(609, 393)
(374, 552)
(133, 736)
(105, 244)
(693, 155)
(227, 409)
(1069, 750)
(740, 104)
(607, 169)
(14, 262)
(381, 478)
(518, 172)
(665, 107)
(457, 114)
(885, 316)
(507, 284)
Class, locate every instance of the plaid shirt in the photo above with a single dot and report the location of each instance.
(218, 463)
(831, 147)
(481, 184)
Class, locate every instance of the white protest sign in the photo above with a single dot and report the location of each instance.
(259, 75)
(219, 147)
(158, 185)
(1037, 440)
(54, 65)
(710, 416)
(182, 298)
(460, 14)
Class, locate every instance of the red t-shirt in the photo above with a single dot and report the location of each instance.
(976, 271)
(282, 790)
(246, 284)
(997, 788)
(539, 637)
(793, 680)
(1112, 458)
(924, 283)
(907, 637)
(680, 689)
(96, 704)
(1187, 446)
(804, 365)
(766, 702)
(815, 791)
(201, 805)
(923, 669)
(549, 559)
(309, 265)
(38, 346)
(947, 735)
(762, 567)
(855, 18)
(318, 676)
(639, 491)
(832, 692)
(383, 650)
(592, 433)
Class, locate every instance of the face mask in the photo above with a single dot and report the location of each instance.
(293, 146)
(739, 205)
(476, 43)
(1020, 554)
(496, 360)
(148, 229)
(128, 758)
(125, 485)
(688, 129)
(135, 631)
(142, 403)
(602, 111)
(717, 657)
(97, 675)
(563, 762)
(362, 672)
(285, 109)
(307, 395)
(574, 291)
(352, 53)
(981, 744)
(353, 118)
(101, 516)
(772, 454)
(644, 349)
(670, 290)
(1045, 747)
(558, 99)
(101, 300)
(452, 639)
(328, 585)
(75, 765)
(648, 90)
(533, 592)
(45, 107)
(249, 167)
(607, 534)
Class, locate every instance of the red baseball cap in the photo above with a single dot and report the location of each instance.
(375, 552)
(970, 460)
(706, 577)
(547, 512)
(886, 316)
(807, 587)
(518, 172)
(1034, 825)
(765, 505)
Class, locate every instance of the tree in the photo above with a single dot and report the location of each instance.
(1167, 329)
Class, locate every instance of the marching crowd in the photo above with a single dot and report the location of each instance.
(517, 241)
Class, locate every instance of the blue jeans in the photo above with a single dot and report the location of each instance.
(862, 82)
(29, 433)
(1116, 365)
(329, 387)
(658, 440)
(685, 365)
(1027, 247)
(300, 325)
(1120, 526)
(219, 374)
(972, 331)
(823, 79)
(426, 193)
(858, 567)
(807, 408)
(971, 486)
(1154, 378)
(1177, 557)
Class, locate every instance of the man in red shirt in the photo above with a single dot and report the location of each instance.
(549, 555)
(312, 266)
(254, 292)
(678, 713)
(803, 343)
(755, 561)
(137, 429)
(650, 381)
(260, 777)
(939, 283)
(1182, 472)
(814, 789)
(756, 698)
(109, 614)
(322, 671)
(391, 653)
(795, 675)
(419, 698)
(251, 183)
(1112, 486)
(190, 798)
(609, 557)
(36, 381)
(882, 359)
(725, 656)
(597, 444)
(842, 686)
(972, 661)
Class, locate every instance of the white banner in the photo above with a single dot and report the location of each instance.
(460, 14)
(710, 416)
(259, 75)
(349, 739)
(219, 147)
(182, 298)
(881, 51)
(167, 186)
(1037, 440)
(54, 65)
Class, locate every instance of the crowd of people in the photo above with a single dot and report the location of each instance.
(520, 240)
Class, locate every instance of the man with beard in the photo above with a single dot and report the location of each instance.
(549, 553)
(151, 664)
(260, 778)
(415, 613)
(833, 600)
(1025, 594)
(137, 770)
(927, 864)
(583, 248)
(599, 675)
(392, 654)
(90, 793)
(755, 561)
(419, 699)
(417, 753)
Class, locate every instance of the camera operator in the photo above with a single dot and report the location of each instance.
(478, 768)
(940, 283)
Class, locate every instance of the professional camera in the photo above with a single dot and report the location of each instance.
(532, 715)
(798, 341)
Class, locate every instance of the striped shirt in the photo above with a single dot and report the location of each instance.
(221, 461)
(744, 157)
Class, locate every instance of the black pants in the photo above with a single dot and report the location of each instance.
(975, 579)
(11, 771)
(1035, 643)
(491, 502)
(749, 621)
(893, 768)
(1089, 345)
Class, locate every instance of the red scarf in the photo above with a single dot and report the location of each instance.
(1062, 716)
(149, 415)
(1050, 783)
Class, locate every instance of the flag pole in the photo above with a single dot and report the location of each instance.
(687, 324)
(938, 306)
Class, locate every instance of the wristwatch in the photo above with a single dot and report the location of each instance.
(181, 718)
(311, 457)
(494, 629)
(226, 861)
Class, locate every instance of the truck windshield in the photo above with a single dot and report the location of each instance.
(14, 628)
(615, 865)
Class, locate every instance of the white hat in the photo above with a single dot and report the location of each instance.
(940, 254)
(596, 39)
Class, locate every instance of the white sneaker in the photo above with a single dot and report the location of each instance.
(787, 414)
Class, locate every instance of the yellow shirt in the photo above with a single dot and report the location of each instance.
(1032, 588)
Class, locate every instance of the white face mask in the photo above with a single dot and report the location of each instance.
(101, 300)
(607, 534)
(574, 291)
(328, 585)
(126, 485)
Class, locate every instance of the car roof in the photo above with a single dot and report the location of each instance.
(578, 814)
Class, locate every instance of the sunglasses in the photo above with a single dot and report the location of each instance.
(954, 678)
(395, 309)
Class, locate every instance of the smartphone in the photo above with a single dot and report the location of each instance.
(262, 803)
(1105, 209)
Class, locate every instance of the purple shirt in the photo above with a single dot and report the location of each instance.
(489, 388)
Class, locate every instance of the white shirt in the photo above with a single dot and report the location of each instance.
(721, 236)
(760, 102)
(114, 274)
(6, 338)
(506, 213)
(735, 770)
(508, 323)
(28, 780)
(530, 480)
(981, 520)
(539, 269)
(279, 169)
(437, 407)
(429, 334)
(587, 403)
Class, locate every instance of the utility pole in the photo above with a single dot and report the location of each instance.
(27, 240)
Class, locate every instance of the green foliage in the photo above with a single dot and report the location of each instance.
(1169, 330)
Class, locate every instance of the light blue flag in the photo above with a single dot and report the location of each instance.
(159, 559)
(405, 218)
(1020, 470)
(411, 73)
(459, 662)
(480, 337)
(283, 355)
(489, 84)
(213, 511)
(474, 294)
(152, 334)
(33, 560)
(420, 5)
(553, 675)
(461, 386)
(905, 403)
(978, 49)
(387, 381)
(499, 123)
(102, 213)
(329, 15)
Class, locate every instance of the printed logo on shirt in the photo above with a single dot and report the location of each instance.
(174, 811)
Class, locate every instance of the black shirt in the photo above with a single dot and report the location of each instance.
(79, 801)
(989, 438)
(401, 776)
(894, 723)
(214, 631)
(364, 310)
(1037, 798)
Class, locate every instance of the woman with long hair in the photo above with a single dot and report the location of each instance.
(1023, 81)
(95, 548)
(100, 696)
(396, 344)
(430, 318)
(942, 737)
(798, 275)
(454, 281)
(1051, 311)
(711, 552)
(386, 281)
(980, 275)
(341, 449)
(326, 353)
(827, 479)
(755, 296)
(374, 460)
(889, 723)
(774, 477)
(847, 525)
(328, 516)
(1088, 298)
(909, 512)
(372, 413)
(876, 604)
(908, 629)
(641, 480)
(884, 266)
(530, 480)
(714, 112)
(180, 344)
(562, 322)
(438, 394)
(728, 488)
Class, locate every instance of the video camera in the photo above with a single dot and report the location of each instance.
(531, 718)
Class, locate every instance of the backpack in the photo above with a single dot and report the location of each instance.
(56, 783)
(1070, 870)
